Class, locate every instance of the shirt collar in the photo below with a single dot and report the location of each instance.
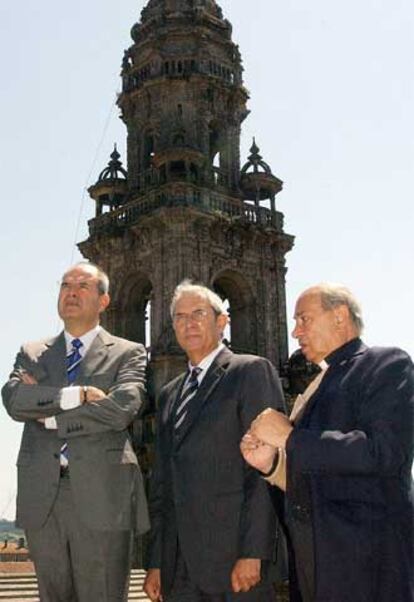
(207, 361)
(87, 339)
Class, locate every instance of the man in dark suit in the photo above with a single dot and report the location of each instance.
(348, 455)
(212, 523)
(80, 490)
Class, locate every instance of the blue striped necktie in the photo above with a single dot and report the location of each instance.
(187, 394)
(73, 360)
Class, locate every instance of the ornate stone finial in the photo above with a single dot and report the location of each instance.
(257, 181)
(254, 149)
(255, 161)
(114, 169)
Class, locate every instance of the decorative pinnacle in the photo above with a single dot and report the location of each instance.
(114, 169)
(255, 157)
(255, 160)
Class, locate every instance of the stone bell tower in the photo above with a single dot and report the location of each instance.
(184, 208)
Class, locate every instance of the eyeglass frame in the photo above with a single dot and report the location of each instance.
(198, 316)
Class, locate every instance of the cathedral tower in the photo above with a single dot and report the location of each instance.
(183, 207)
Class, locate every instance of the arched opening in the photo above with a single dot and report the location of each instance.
(214, 142)
(218, 155)
(227, 330)
(147, 318)
(148, 150)
(233, 288)
(134, 315)
(177, 170)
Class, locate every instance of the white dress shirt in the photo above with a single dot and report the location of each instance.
(70, 397)
(205, 363)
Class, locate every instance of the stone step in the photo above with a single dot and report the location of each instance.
(22, 587)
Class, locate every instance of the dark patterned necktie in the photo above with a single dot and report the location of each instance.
(187, 394)
(73, 360)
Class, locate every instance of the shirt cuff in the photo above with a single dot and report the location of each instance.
(70, 398)
(273, 467)
(50, 423)
(278, 476)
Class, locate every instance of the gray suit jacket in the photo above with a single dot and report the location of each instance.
(105, 477)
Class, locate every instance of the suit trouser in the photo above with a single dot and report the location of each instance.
(77, 564)
(301, 535)
(184, 590)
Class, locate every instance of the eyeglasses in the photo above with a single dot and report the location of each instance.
(198, 316)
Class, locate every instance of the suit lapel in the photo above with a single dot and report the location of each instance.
(53, 360)
(172, 397)
(340, 362)
(96, 355)
(209, 383)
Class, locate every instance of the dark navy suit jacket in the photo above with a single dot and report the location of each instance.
(349, 470)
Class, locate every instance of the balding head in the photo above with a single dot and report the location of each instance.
(327, 316)
(83, 297)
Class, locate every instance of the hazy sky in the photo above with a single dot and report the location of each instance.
(332, 97)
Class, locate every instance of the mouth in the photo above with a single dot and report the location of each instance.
(192, 338)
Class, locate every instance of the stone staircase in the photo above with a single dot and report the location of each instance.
(22, 587)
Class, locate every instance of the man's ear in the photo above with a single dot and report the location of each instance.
(341, 313)
(222, 321)
(104, 301)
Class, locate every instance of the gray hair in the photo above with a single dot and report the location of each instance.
(103, 279)
(187, 287)
(333, 295)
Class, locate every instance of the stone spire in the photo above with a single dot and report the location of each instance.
(186, 209)
(183, 99)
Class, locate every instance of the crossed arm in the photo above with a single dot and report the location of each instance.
(26, 397)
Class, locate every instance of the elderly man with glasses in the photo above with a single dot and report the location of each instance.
(213, 526)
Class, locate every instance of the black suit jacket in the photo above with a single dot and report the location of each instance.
(106, 481)
(203, 495)
(349, 469)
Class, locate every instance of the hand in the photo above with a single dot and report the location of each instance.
(272, 427)
(152, 585)
(94, 394)
(27, 379)
(256, 453)
(41, 420)
(245, 574)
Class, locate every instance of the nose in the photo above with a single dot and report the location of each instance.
(71, 291)
(190, 323)
(296, 331)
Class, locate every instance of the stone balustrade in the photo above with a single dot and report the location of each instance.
(209, 202)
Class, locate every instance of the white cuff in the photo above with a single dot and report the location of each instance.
(70, 398)
(50, 423)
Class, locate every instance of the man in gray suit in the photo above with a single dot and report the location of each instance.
(213, 527)
(80, 490)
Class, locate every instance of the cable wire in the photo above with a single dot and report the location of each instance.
(82, 203)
